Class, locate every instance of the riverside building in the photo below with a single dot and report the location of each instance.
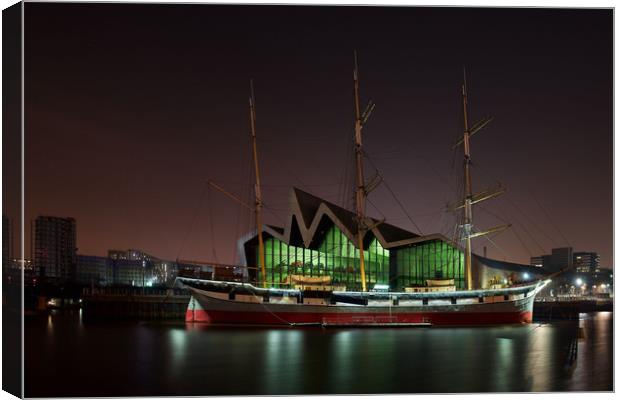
(565, 257)
(55, 252)
(319, 240)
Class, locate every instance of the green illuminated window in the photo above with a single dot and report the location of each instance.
(431, 260)
(337, 257)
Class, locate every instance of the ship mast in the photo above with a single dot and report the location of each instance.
(469, 198)
(467, 223)
(360, 191)
(258, 203)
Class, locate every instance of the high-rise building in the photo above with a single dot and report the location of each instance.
(561, 257)
(586, 262)
(543, 261)
(582, 261)
(55, 252)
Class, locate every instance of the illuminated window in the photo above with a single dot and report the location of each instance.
(338, 258)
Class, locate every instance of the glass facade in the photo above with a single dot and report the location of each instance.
(338, 258)
(430, 260)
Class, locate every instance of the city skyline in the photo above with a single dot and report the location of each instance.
(130, 122)
(109, 251)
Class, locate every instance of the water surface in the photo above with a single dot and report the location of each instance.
(68, 357)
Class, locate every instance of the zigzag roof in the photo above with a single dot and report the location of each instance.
(308, 213)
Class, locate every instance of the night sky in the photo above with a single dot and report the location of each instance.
(131, 108)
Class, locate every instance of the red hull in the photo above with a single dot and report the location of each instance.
(434, 318)
(273, 307)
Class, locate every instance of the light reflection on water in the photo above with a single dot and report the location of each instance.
(592, 351)
(503, 363)
(283, 345)
(340, 347)
(178, 341)
(540, 353)
(163, 358)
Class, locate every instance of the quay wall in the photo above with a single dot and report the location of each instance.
(169, 304)
(554, 310)
(174, 304)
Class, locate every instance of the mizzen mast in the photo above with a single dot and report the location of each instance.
(258, 202)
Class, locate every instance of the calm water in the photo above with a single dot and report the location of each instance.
(66, 357)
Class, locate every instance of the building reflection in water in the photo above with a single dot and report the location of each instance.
(504, 363)
(283, 361)
(152, 358)
(50, 325)
(341, 360)
(178, 344)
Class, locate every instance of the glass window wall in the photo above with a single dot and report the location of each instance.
(338, 258)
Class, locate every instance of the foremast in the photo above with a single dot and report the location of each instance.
(258, 202)
(360, 191)
(360, 188)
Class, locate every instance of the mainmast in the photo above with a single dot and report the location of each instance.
(469, 198)
(258, 203)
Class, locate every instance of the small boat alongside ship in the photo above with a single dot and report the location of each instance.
(299, 299)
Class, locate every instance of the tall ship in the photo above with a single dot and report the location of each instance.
(330, 266)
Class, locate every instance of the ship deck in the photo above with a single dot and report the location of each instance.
(241, 288)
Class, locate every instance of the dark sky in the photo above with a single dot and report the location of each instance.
(131, 108)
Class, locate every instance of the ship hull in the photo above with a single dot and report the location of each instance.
(212, 307)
